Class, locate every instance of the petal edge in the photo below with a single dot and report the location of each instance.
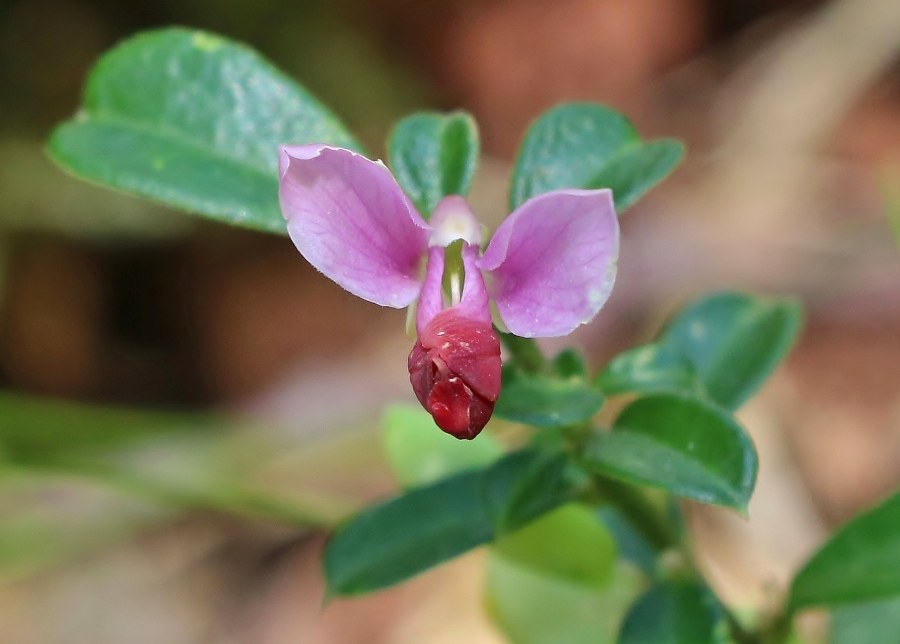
(552, 262)
(351, 220)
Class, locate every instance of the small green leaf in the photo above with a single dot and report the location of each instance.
(542, 401)
(569, 542)
(649, 368)
(680, 444)
(582, 145)
(419, 453)
(865, 623)
(193, 120)
(734, 341)
(532, 607)
(434, 155)
(675, 613)
(859, 563)
(636, 169)
(388, 543)
(569, 363)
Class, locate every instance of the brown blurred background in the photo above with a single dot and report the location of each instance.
(791, 114)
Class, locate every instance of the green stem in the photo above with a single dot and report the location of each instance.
(524, 352)
(638, 511)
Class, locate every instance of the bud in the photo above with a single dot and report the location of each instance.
(454, 369)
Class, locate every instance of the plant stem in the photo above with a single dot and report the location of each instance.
(638, 511)
(524, 352)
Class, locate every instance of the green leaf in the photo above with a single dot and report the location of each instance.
(636, 169)
(649, 368)
(419, 453)
(865, 623)
(434, 155)
(569, 542)
(734, 341)
(680, 444)
(859, 563)
(569, 363)
(390, 542)
(582, 145)
(542, 401)
(675, 613)
(193, 120)
(532, 607)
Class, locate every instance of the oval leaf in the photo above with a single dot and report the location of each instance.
(390, 542)
(419, 453)
(680, 444)
(650, 368)
(734, 341)
(583, 145)
(541, 401)
(675, 613)
(861, 562)
(434, 155)
(193, 120)
(535, 608)
(569, 543)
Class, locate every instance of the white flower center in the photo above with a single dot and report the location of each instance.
(452, 220)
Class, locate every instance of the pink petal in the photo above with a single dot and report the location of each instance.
(474, 303)
(431, 299)
(348, 217)
(553, 261)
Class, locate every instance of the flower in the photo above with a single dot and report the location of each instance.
(549, 268)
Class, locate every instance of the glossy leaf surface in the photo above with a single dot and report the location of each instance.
(193, 120)
(682, 445)
(433, 155)
(583, 145)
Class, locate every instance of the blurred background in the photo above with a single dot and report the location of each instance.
(791, 113)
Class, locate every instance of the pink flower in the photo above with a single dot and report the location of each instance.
(549, 268)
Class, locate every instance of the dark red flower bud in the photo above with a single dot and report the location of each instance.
(454, 369)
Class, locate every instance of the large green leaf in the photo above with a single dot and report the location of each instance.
(534, 607)
(390, 542)
(419, 453)
(543, 401)
(193, 120)
(582, 145)
(434, 155)
(680, 444)
(859, 563)
(675, 612)
(734, 341)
